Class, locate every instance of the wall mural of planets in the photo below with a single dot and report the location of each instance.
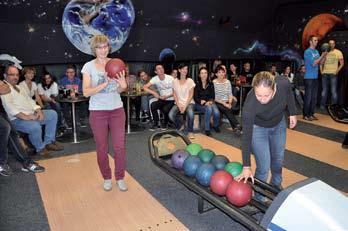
(167, 55)
(83, 19)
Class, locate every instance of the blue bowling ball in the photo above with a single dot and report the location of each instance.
(219, 162)
(204, 173)
(191, 165)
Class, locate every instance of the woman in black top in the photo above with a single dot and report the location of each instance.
(264, 126)
(204, 96)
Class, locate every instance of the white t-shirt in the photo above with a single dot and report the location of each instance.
(182, 91)
(165, 86)
(26, 89)
(52, 91)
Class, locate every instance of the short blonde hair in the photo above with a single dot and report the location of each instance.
(27, 69)
(97, 40)
(264, 78)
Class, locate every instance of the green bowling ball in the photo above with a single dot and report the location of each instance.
(193, 149)
(325, 47)
(206, 155)
(234, 168)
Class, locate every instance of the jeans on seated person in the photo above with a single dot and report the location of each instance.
(145, 103)
(178, 119)
(34, 129)
(163, 105)
(268, 146)
(209, 110)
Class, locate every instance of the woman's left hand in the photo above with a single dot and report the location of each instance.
(293, 122)
(121, 79)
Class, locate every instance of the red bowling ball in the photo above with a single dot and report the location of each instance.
(239, 193)
(220, 181)
(114, 66)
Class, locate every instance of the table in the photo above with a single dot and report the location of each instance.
(75, 136)
(242, 86)
(130, 94)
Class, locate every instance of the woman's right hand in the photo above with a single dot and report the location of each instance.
(246, 174)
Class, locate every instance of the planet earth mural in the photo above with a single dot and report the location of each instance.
(82, 19)
(167, 55)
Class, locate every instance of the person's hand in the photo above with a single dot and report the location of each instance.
(4, 88)
(156, 95)
(209, 103)
(121, 79)
(228, 105)
(182, 109)
(31, 117)
(246, 174)
(293, 122)
(203, 102)
(163, 97)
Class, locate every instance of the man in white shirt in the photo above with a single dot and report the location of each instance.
(164, 84)
(28, 117)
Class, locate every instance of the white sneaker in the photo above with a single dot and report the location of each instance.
(107, 185)
(121, 185)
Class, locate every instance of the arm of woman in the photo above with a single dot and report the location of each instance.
(291, 106)
(189, 97)
(38, 99)
(86, 86)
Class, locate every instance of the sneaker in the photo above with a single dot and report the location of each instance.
(164, 127)
(154, 127)
(54, 146)
(33, 167)
(5, 170)
(191, 135)
(307, 118)
(314, 117)
(207, 133)
(107, 185)
(217, 129)
(121, 185)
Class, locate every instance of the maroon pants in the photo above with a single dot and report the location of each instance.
(101, 123)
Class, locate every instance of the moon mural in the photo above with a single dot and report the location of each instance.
(319, 25)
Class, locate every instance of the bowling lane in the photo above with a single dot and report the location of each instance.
(234, 154)
(325, 121)
(71, 190)
(314, 147)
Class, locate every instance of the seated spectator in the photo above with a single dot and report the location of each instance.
(299, 86)
(246, 75)
(204, 97)
(71, 81)
(27, 117)
(273, 70)
(165, 99)
(183, 89)
(143, 80)
(9, 140)
(224, 98)
(48, 91)
(174, 73)
(29, 86)
(287, 74)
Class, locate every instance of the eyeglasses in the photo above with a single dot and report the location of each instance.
(12, 74)
(103, 47)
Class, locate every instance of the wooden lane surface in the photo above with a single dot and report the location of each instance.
(325, 121)
(71, 190)
(234, 154)
(314, 147)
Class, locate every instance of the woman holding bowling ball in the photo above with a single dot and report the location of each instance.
(106, 111)
(264, 127)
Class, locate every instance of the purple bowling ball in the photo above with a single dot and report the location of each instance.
(178, 158)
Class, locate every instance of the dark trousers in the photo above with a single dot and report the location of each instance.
(310, 97)
(9, 141)
(229, 114)
(164, 106)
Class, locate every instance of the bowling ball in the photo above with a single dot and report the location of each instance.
(239, 193)
(204, 173)
(219, 161)
(178, 158)
(234, 168)
(191, 164)
(219, 182)
(325, 47)
(193, 148)
(206, 155)
(114, 66)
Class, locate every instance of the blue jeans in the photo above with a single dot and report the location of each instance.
(333, 87)
(57, 107)
(145, 103)
(208, 111)
(178, 119)
(310, 97)
(268, 146)
(34, 129)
